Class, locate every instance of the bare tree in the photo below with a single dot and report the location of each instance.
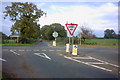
(86, 33)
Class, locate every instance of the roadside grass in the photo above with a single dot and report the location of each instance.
(96, 43)
(1, 76)
(13, 42)
(111, 41)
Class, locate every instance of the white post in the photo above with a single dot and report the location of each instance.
(67, 47)
(54, 43)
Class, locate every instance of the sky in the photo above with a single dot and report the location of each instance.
(97, 16)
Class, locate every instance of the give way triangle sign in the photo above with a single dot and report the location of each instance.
(71, 28)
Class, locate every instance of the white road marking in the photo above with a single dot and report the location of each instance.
(44, 50)
(104, 62)
(28, 50)
(35, 50)
(21, 50)
(94, 63)
(82, 57)
(14, 52)
(58, 50)
(14, 49)
(42, 55)
(88, 64)
(51, 50)
(3, 60)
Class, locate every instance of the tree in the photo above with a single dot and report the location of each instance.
(25, 17)
(47, 31)
(86, 33)
(60, 29)
(109, 34)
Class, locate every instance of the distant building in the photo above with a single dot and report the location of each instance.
(15, 37)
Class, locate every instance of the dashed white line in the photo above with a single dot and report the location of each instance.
(28, 50)
(21, 50)
(14, 52)
(88, 64)
(35, 50)
(51, 50)
(14, 49)
(3, 60)
(44, 50)
(58, 50)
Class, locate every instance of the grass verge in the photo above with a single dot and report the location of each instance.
(15, 44)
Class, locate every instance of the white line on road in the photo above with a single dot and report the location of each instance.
(42, 55)
(44, 50)
(88, 64)
(58, 50)
(14, 52)
(35, 50)
(14, 49)
(104, 62)
(3, 60)
(51, 50)
(82, 57)
(21, 50)
(28, 50)
(95, 63)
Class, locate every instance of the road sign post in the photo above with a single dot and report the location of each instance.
(74, 51)
(55, 34)
(71, 29)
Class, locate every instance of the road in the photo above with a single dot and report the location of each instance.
(45, 61)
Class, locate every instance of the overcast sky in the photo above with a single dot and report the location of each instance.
(98, 16)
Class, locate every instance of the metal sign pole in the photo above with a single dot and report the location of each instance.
(69, 40)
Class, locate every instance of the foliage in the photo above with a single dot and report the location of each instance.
(109, 34)
(3, 37)
(25, 17)
(47, 31)
(86, 33)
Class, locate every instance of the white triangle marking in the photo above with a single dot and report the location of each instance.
(42, 55)
(3, 59)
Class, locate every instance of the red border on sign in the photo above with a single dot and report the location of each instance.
(71, 33)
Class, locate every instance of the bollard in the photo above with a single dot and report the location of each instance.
(67, 47)
(74, 50)
(54, 43)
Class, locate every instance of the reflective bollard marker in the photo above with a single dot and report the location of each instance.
(74, 50)
(54, 43)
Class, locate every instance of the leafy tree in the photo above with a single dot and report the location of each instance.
(25, 17)
(60, 29)
(109, 34)
(47, 31)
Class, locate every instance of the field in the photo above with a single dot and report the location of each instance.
(97, 42)
(63, 41)
(102, 41)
